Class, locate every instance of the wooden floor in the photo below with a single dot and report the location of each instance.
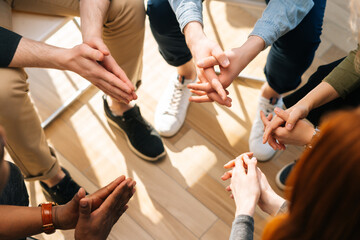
(182, 196)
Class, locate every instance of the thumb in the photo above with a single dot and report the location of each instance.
(100, 45)
(220, 56)
(85, 208)
(294, 116)
(281, 113)
(92, 53)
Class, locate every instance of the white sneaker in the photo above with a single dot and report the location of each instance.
(171, 110)
(262, 152)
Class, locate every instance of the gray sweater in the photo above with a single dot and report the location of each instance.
(243, 225)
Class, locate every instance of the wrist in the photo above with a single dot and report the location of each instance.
(60, 58)
(194, 33)
(246, 207)
(271, 202)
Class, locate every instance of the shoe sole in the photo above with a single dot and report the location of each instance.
(139, 154)
(278, 182)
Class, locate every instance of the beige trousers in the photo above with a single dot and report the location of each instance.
(123, 34)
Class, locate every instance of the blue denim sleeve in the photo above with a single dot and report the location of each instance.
(187, 11)
(280, 17)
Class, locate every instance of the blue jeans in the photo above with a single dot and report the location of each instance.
(288, 59)
(166, 31)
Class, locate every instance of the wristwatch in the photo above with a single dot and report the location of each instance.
(46, 214)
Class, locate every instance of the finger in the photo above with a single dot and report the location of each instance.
(281, 113)
(207, 62)
(200, 99)
(275, 123)
(199, 93)
(119, 197)
(80, 194)
(113, 92)
(100, 45)
(272, 142)
(220, 56)
(264, 119)
(215, 82)
(104, 192)
(117, 82)
(231, 163)
(217, 98)
(251, 165)
(85, 208)
(294, 116)
(239, 165)
(228, 188)
(226, 175)
(91, 53)
(206, 87)
(113, 67)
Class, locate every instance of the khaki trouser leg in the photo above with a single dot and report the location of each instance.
(26, 143)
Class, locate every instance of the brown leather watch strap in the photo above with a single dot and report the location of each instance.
(46, 214)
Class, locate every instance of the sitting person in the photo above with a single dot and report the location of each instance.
(181, 38)
(322, 196)
(92, 216)
(332, 87)
(110, 57)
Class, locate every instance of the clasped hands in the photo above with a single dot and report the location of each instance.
(93, 61)
(94, 215)
(287, 127)
(250, 187)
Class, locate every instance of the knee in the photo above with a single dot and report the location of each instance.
(13, 86)
(128, 14)
(158, 10)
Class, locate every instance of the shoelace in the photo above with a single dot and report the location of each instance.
(173, 108)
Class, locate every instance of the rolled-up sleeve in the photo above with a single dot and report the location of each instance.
(187, 11)
(9, 42)
(280, 17)
(345, 78)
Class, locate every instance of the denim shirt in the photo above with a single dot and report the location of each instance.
(278, 18)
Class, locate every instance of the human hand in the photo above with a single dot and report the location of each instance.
(97, 224)
(239, 59)
(301, 133)
(269, 201)
(296, 112)
(244, 185)
(101, 70)
(202, 47)
(66, 216)
(204, 89)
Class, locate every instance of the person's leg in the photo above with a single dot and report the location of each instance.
(292, 54)
(288, 59)
(123, 33)
(26, 141)
(171, 110)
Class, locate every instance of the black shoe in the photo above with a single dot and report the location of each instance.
(62, 192)
(283, 174)
(141, 137)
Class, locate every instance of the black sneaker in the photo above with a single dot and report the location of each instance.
(62, 192)
(283, 174)
(141, 137)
